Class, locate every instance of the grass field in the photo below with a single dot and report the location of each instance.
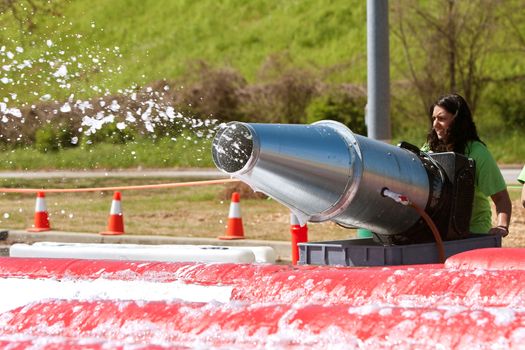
(166, 153)
(145, 153)
(158, 39)
(183, 212)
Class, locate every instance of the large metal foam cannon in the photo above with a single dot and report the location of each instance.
(324, 171)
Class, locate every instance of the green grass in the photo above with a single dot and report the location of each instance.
(163, 153)
(157, 39)
(507, 148)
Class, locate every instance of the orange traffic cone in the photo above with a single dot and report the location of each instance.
(116, 219)
(41, 217)
(299, 235)
(234, 228)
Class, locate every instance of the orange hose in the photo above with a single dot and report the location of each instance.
(435, 231)
(118, 188)
(403, 200)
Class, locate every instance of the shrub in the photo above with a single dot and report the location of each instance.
(244, 190)
(340, 106)
(210, 92)
(283, 93)
(511, 107)
(51, 138)
(109, 133)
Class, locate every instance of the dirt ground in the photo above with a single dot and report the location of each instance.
(330, 231)
(186, 212)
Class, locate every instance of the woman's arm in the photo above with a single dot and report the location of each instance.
(523, 196)
(503, 211)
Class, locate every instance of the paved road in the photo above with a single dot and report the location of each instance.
(509, 173)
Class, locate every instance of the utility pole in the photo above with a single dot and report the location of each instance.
(378, 69)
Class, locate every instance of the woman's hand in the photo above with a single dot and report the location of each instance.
(502, 231)
(503, 210)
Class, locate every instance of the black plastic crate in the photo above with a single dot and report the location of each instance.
(366, 252)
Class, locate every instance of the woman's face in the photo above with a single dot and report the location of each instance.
(441, 120)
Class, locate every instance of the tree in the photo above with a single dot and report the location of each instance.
(446, 45)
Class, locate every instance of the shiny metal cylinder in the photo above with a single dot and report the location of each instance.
(323, 172)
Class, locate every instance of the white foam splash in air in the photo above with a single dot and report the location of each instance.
(45, 75)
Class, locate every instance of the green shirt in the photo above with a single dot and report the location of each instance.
(521, 178)
(488, 182)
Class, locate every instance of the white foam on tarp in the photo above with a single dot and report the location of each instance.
(17, 292)
(502, 316)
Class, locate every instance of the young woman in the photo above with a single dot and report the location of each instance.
(452, 129)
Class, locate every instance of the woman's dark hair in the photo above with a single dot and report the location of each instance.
(461, 130)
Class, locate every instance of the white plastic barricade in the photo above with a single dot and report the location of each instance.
(168, 253)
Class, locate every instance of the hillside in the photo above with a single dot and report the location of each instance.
(114, 47)
(158, 39)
